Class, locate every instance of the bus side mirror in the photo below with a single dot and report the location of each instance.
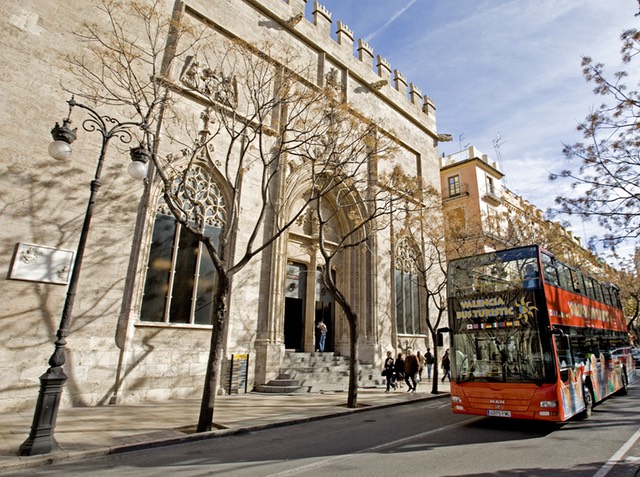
(440, 336)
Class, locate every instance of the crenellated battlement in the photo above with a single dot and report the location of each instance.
(321, 18)
(389, 78)
(345, 35)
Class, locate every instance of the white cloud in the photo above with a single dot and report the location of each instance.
(509, 67)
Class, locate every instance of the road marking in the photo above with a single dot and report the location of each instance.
(327, 462)
(615, 458)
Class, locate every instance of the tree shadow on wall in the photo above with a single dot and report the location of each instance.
(47, 206)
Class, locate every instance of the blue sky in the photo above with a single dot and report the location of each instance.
(507, 69)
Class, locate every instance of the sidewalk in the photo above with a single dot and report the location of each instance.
(95, 431)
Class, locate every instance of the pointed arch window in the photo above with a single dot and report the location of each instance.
(407, 291)
(180, 274)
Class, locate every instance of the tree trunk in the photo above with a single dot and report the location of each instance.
(436, 363)
(354, 361)
(212, 377)
(354, 333)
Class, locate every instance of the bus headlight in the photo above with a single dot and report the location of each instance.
(456, 399)
(548, 403)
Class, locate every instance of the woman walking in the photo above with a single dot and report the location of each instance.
(446, 366)
(389, 374)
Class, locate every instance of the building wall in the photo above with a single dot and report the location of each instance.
(481, 207)
(44, 202)
(111, 355)
(502, 219)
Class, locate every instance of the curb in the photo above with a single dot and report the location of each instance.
(62, 457)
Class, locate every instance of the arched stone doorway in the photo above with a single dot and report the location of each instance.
(306, 304)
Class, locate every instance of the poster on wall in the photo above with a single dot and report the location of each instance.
(39, 263)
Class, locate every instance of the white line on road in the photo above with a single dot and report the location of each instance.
(338, 458)
(615, 458)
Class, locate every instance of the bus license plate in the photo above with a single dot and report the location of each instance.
(496, 413)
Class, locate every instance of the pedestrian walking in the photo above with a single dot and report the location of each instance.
(410, 371)
(398, 369)
(389, 373)
(428, 357)
(322, 329)
(446, 366)
(421, 364)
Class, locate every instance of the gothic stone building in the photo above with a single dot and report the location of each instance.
(139, 330)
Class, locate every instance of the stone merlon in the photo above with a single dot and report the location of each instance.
(322, 18)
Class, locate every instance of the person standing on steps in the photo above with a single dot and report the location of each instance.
(322, 329)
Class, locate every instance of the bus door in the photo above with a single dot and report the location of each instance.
(570, 376)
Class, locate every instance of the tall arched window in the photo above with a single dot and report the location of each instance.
(180, 274)
(407, 291)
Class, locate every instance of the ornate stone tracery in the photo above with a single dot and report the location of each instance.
(210, 83)
(198, 197)
(406, 257)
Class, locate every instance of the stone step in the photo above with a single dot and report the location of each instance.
(284, 382)
(318, 372)
(315, 369)
(266, 388)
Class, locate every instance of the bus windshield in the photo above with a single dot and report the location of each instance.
(497, 271)
(496, 330)
(511, 356)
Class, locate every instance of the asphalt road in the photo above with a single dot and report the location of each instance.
(420, 439)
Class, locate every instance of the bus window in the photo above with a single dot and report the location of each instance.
(565, 357)
(530, 276)
(598, 289)
(589, 288)
(564, 275)
(550, 271)
(578, 285)
(615, 295)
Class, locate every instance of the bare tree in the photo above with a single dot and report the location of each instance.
(424, 228)
(260, 111)
(265, 115)
(608, 178)
(351, 202)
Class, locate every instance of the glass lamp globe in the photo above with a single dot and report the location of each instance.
(137, 170)
(60, 150)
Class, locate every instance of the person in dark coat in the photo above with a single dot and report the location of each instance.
(411, 367)
(389, 372)
(446, 366)
(430, 361)
(398, 368)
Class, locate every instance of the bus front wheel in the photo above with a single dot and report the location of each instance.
(588, 402)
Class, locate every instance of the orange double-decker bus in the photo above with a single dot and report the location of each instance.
(533, 338)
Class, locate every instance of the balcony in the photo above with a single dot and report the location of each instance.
(450, 194)
(492, 197)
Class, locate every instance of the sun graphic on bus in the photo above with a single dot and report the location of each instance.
(525, 310)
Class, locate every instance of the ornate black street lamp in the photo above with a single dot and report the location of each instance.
(41, 439)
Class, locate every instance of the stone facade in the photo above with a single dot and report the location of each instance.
(112, 355)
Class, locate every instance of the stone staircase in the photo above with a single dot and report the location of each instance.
(318, 372)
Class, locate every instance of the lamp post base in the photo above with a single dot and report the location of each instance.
(41, 440)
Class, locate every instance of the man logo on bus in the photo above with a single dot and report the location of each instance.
(525, 310)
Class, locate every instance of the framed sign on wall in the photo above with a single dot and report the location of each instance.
(39, 263)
